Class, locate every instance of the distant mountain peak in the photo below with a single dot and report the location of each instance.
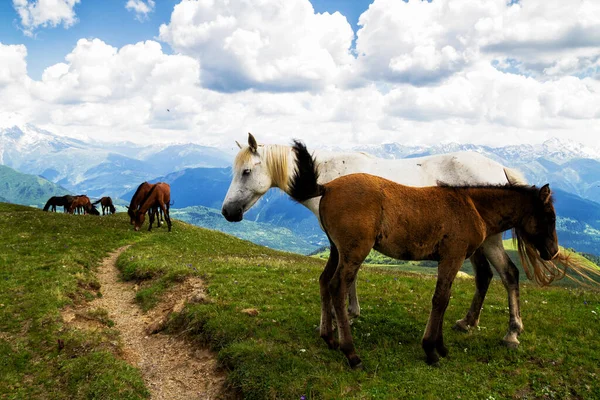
(554, 149)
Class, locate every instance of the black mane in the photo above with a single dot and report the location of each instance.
(303, 185)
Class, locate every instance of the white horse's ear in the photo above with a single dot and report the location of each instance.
(238, 143)
(252, 142)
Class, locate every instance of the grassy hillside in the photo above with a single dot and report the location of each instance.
(27, 189)
(47, 261)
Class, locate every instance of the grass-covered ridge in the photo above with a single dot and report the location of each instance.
(277, 353)
(47, 262)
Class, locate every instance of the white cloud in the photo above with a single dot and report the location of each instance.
(424, 43)
(36, 13)
(95, 72)
(273, 45)
(141, 8)
(485, 94)
(14, 83)
(423, 73)
(13, 66)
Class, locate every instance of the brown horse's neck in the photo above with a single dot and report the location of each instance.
(148, 202)
(502, 208)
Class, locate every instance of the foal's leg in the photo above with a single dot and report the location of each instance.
(350, 261)
(483, 277)
(433, 338)
(326, 328)
(494, 251)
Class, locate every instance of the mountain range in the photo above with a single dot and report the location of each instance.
(97, 168)
(566, 165)
(199, 177)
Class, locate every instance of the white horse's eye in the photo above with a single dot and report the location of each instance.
(246, 172)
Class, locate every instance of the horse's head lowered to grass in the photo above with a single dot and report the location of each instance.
(256, 169)
(539, 228)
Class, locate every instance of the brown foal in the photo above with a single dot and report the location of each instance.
(448, 224)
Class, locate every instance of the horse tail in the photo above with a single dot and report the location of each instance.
(303, 185)
(97, 201)
(514, 177)
(545, 272)
(171, 203)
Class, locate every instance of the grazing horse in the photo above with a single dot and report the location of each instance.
(260, 167)
(61, 201)
(158, 197)
(359, 212)
(137, 199)
(107, 205)
(81, 202)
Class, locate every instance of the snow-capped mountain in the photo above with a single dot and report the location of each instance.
(555, 150)
(94, 167)
(566, 165)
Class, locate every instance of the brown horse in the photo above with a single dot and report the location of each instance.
(137, 200)
(81, 202)
(107, 205)
(159, 197)
(446, 224)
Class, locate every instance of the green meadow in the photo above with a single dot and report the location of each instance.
(48, 261)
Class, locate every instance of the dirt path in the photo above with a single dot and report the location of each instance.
(171, 367)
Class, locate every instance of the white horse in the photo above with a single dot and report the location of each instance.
(257, 168)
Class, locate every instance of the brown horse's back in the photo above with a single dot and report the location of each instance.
(402, 222)
(163, 193)
(140, 194)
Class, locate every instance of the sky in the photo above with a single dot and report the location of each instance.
(329, 72)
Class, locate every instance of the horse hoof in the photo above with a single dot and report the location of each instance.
(442, 351)
(355, 363)
(358, 367)
(510, 344)
(510, 340)
(433, 359)
(461, 326)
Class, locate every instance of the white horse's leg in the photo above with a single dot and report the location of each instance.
(494, 251)
(353, 306)
(483, 277)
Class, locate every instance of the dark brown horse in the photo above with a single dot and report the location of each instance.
(446, 224)
(107, 205)
(60, 201)
(137, 200)
(159, 197)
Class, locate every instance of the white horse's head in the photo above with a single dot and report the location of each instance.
(256, 169)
